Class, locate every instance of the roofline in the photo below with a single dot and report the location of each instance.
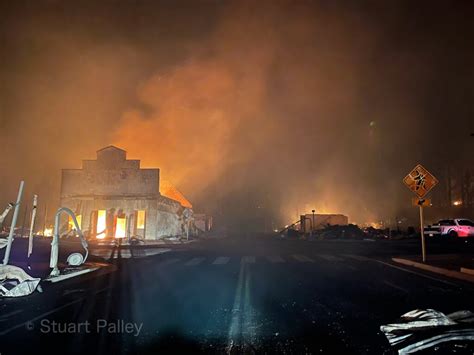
(111, 146)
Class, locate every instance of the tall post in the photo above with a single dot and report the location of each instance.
(45, 216)
(423, 246)
(32, 225)
(24, 221)
(13, 225)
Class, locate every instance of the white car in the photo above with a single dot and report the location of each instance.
(456, 227)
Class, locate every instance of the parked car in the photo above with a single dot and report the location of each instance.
(456, 227)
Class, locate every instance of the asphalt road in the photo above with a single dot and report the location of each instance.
(234, 296)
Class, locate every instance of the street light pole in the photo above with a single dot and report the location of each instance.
(312, 227)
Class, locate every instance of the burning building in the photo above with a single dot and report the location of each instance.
(114, 198)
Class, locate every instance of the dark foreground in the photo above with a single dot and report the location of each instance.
(234, 296)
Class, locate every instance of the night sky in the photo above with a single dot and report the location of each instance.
(248, 107)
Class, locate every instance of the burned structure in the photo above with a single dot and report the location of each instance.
(114, 198)
(311, 222)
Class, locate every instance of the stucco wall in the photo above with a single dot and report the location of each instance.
(168, 224)
(117, 182)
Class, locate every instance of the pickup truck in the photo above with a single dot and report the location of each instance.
(456, 227)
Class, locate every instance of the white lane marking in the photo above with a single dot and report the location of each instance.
(357, 257)
(417, 273)
(195, 261)
(124, 254)
(248, 260)
(156, 251)
(329, 257)
(221, 260)
(242, 329)
(169, 261)
(275, 259)
(302, 258)
(388, 283)
(42, 316)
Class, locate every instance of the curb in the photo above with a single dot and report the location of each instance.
(92, 270)
(465, 270)
(465, 276)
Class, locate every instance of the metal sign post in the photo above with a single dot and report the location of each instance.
(421, 181)
(13, 225)
(423, 246)
(32, 225)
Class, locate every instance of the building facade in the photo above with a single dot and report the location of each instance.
(114, 198)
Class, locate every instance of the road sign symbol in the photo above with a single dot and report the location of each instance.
(425, 202)
(420, 181)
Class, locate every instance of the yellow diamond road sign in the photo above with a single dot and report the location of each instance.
(420, 181)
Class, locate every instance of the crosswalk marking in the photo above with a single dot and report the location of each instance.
(357, 257)
(329, 257)
(128, 253)
(107, 254)
(194, 261)
(221, 260)
(137, 253)
(248, 260)
(275, 259)
(302, 258)
(151, 252)
(169, 261)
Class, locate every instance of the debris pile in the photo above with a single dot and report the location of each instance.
(15, 282)
(351, 231)
(421, 329)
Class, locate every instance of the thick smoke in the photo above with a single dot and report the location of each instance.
(266, 116)
(257, 111)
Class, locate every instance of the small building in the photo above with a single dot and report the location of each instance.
(114, 198)
(311, 222)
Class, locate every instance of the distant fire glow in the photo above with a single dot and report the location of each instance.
(457, 203)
